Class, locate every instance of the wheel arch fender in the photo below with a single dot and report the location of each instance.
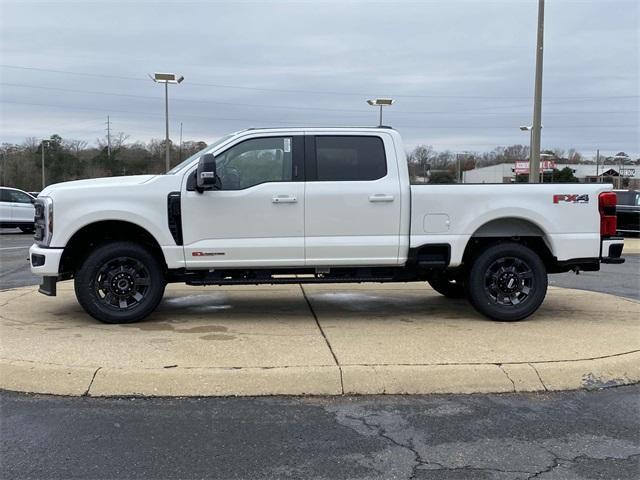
(94, 233)
(521, 226)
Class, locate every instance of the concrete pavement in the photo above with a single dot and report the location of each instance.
(323, 339)
(631, 245)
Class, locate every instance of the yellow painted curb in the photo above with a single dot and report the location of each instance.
(591, 374)
(217, 382)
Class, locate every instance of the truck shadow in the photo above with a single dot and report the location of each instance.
(324, 305)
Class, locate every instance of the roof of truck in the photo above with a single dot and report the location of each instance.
(326, 127)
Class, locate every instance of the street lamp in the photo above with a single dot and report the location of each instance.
(167, 78)
(528, 128)
(381, 102)
(42, 142)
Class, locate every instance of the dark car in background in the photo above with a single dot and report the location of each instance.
(628, 211)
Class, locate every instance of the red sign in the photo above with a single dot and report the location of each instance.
(523, 167)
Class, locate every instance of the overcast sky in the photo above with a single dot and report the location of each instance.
(461, 71)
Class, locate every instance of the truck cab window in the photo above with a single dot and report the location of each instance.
(255, 161)
(350, 158)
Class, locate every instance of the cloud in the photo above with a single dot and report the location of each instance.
(461, 71)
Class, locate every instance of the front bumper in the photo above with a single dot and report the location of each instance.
(45, 261)
(611, 250)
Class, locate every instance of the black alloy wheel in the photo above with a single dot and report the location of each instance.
(120, 282)
(507, 282)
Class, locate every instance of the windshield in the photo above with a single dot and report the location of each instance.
(211, 147)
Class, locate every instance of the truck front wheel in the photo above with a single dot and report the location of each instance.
(507, 282)
(119, 282)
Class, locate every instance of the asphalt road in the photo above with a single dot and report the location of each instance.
(577, 435)
(14, 253)
(622, 280)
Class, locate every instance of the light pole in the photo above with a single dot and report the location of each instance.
(534, 163)
(42, 142)
(167, 78)
(381, 102)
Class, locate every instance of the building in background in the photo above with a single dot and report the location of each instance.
(585, 173)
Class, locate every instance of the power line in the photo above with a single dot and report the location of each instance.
(303, 124)
(307, 92)
(365, 112)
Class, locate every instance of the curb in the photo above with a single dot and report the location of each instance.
(588, 374)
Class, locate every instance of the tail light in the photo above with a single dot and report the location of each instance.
(608, 220)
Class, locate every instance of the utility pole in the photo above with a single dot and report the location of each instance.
(42, 160)
(167, 147)
(180, 147)
(534, 164)
(108, 138)
(597, 166)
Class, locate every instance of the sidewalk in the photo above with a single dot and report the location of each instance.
(323, 339)
(631, 246)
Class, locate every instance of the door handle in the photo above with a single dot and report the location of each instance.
(380, 197)
(284, 199)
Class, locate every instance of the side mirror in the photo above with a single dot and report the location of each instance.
(206, 173)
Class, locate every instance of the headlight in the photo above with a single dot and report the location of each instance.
(43, 221)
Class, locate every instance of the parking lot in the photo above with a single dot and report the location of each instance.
(322, 340)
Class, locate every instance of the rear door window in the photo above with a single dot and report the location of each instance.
(350, 158)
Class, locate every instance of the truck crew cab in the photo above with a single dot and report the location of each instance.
(311, 205)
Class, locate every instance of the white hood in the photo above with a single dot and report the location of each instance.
(97, 183)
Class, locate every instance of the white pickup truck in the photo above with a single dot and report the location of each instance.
(315, 205)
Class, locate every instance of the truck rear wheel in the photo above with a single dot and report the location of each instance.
(119, 282)
(507, 282)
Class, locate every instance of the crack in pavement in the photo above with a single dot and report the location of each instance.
(505, 372)
(86, 393)
(315, 317)
(539, 377)
(560, 461)
(504, 458)
(419, 461)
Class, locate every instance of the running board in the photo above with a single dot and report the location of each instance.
(285, 280)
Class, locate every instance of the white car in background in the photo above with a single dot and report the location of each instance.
(16, 209)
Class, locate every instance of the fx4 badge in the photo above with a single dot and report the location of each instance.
(571, 198)
(206, 254)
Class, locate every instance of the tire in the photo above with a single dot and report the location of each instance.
(507, 282)
(447, 287)
(119, 282)
(27, 229)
